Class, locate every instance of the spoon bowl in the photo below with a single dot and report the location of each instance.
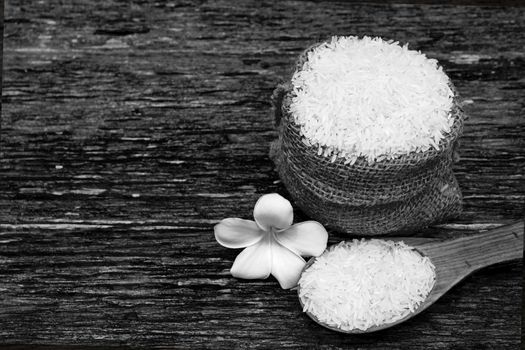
(454, 259)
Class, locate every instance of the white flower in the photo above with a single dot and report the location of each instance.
(273, 246)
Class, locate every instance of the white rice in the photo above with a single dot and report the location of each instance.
(360, 284)
(372, 98)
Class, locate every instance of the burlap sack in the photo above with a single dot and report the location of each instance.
(402, 194)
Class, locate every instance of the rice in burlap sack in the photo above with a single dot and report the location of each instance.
(407, 193)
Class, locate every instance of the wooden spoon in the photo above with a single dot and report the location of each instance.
(454, 260)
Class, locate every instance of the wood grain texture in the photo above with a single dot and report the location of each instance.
(130, 128)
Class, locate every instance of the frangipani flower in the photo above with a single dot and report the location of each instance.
(272, 245)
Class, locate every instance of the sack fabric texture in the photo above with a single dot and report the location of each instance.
(407, 193)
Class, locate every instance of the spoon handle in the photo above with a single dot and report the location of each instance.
(477, 251)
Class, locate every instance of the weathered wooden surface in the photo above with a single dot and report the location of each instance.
(129, 129)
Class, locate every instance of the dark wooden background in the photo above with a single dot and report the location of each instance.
(130, 128)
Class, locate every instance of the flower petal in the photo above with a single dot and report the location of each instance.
(273, 210)
(237, 233)
(254, 261)
(308, 238)
(286, 266)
